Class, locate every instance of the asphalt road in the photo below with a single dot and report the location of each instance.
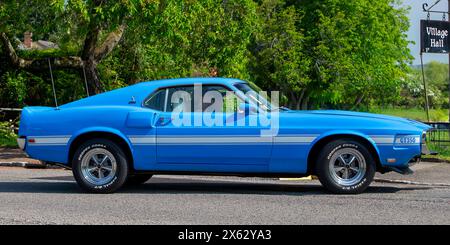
(50, 196)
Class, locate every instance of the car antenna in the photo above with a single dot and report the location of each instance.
(53, 83)
(85, 81)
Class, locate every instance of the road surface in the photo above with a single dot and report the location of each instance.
(50, 196)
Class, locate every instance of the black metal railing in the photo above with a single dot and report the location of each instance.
(439, 135)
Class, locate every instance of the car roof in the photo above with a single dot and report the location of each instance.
(141, 90)
(192, 80)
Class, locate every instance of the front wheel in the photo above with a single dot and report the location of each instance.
(100, 166)
(345, 167)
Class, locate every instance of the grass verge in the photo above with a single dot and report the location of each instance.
(443, 153)
(436, 115)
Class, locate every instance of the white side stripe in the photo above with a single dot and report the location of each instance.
(142, 140)
(382, 139)
(49, 140)
(225, 139)
(390, 140)
(292, 139)
(212, 140)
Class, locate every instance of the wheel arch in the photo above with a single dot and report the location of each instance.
(325, 139)
(104, 133)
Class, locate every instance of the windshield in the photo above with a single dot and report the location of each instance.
(253, 93)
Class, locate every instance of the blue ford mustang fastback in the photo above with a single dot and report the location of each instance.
(129, 134)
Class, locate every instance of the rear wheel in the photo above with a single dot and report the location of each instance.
(100, 166)
(345, 167)
(138, 179)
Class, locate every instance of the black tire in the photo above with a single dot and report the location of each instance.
(137, 179)
(329, 161)
(121, 167)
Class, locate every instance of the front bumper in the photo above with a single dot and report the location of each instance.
(424, 149)
(415, 160)
(423, 146)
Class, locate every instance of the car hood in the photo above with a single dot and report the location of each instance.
(365, 115)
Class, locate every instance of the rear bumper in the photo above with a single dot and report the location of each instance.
(21, 143)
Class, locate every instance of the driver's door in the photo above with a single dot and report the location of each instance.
(230, 146)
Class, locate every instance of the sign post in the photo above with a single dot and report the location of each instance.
(434, 38)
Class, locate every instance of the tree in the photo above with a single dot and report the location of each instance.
(95, 27)
(280, 62)
(436, 76)
(193, 38)
(359, 50)
(328, 53)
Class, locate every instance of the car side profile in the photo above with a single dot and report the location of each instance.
(129, 134)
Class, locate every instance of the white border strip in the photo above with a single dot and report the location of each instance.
(219, 139)
(48, 140)
(290, 139)
(383, 139)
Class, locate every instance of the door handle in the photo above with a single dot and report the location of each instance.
(163, 121)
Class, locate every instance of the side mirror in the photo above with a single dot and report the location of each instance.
(248, 108)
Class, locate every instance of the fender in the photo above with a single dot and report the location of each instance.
(346, 132)
(101, 130)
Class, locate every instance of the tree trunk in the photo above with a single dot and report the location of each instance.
(93, 54)
(299, 101)
(358, 101)
(292, 100)
(92, 78)
(305, 103)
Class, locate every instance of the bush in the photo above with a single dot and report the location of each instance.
(13, 89)
(7, 135)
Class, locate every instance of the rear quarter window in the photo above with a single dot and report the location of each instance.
(156, 100)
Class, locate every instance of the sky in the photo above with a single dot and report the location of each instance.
(415, 15)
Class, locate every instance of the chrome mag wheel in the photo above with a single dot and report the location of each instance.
(347, 166)
(98, 166)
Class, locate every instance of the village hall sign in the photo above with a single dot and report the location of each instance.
(434, 36)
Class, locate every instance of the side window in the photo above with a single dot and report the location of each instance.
(230, 101)
(174, 101)
(157, 100)
(164, 99)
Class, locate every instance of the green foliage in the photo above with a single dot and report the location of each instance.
(69, 87)
(436, 76)
(359, 50)
(319, 54)
(279, 61)
(185, 38)
(13, 89)
(47, 53)
(18, 16)
(413, 93)
(7, 135)
(20, 88)
(442, 150)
